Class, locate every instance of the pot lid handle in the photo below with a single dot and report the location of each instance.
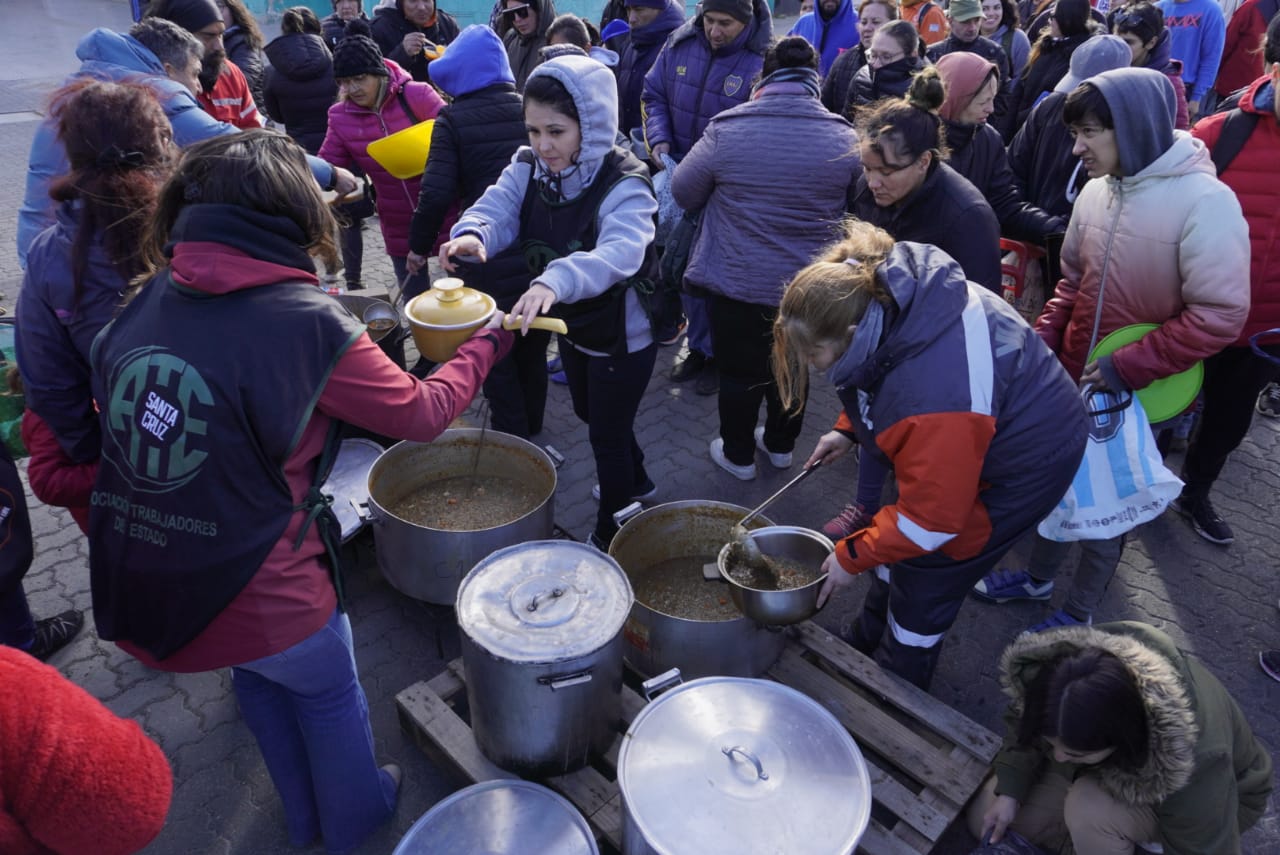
(449, 288)
(729, 751)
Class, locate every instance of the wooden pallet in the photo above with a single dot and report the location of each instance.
(925, 758)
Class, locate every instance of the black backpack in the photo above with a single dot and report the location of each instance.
(1235, 133)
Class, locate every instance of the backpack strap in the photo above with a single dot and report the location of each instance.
(404, 105)
(1234, 134)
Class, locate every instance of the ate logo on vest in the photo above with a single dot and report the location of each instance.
(155, 418)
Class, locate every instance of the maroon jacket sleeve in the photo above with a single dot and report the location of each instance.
(370, 391)
(55, 478)
(75, 777)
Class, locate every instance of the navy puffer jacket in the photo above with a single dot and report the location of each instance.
(978, 153)
(299, 88)
(689, 82)
(636, 57)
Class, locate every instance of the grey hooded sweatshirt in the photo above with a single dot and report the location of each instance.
(1143, 131)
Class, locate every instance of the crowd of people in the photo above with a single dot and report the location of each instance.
(162, 221)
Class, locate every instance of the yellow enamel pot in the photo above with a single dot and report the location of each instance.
(446, 315)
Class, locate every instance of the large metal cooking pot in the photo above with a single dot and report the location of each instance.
(500, 818)
(542, 646)
(428, 563)
(657, 641)
(725, 765)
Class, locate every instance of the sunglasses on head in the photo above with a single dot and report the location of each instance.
(520, 12)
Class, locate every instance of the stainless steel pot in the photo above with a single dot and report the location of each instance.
(725, 765)
(657, 641)
(790, 605)
(542, 646)
(500, 818)
(428, 563)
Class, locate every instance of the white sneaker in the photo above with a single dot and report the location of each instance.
(779, 461)
(742, 473)
(646, 496)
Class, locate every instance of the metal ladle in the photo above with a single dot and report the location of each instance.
(744, 549)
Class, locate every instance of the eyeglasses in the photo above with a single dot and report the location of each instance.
(884, 58)
(520, 12)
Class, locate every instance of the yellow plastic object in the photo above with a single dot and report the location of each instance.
(404, 153)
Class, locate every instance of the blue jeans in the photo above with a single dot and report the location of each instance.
(309, 715)
(697, 313)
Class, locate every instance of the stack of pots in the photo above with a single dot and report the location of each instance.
(656, 641)
(541, 631)
(428, 563)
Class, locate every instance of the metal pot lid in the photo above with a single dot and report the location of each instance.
(449, 304)
(730, 765)
(348, 482)
(500, 818)
(544, 601)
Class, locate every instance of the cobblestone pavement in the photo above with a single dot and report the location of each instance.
(1219, 603)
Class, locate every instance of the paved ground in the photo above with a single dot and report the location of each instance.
(1219, 603)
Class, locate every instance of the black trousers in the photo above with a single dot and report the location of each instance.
(517, 386)
(742, 337)
(606, 392)
(1232, 381)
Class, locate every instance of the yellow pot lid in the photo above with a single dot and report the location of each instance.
(449, 304)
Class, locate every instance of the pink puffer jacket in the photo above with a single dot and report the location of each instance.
(352, 128)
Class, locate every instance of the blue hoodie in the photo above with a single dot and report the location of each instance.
(475, 59)
(625, 217)
(107, 55)
(831, 37)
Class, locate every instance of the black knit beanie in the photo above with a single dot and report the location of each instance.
(743, 10)
(191, 15)
(357, 54)
(1072, 16)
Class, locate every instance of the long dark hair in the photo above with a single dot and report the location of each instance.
(1088, 701)
(260, 170)
(243, 18)
(118, 142)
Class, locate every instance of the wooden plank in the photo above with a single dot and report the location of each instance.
(876, 840)
(424, 714)
(949, 722)
(870, 725)
(609, 820)
(591, 794)
(906, 805)
(448, 682)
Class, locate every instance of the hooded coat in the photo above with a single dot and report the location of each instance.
(946, 211)
(829, 37)
(755, 232)
(639, 51)
(689, 82)
(251, 61)
(1165, 244)
(837, 82)
(888, 81)
(1252, 175)
(474, 137)
(523, 52)
(106, 55)
(1048, 175)
(299, 88)
(389, 28)
(1160, 58)
(624, 220)
(983, 429)
(352, 128)
(1206, 776)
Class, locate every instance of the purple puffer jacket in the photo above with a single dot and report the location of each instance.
(689, 83)
(352, 128)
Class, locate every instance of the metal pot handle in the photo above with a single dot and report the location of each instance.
(621, 517)
(564, 681)
(655, 686)
(557, 459)
(761, 774)
(366, 515)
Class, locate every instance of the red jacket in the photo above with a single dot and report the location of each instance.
(1242, 51)
(352, 128)
(230, 100)
(74, 777)
(55, 478)
(1253, 176)
(291, 596)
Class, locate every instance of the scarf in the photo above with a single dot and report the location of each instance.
(807, 78)
(266, 237)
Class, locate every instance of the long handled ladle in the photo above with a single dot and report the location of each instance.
(745, 550)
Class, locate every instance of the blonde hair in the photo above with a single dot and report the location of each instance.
(823, 300)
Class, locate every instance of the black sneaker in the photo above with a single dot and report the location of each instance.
(1205, 520)
(709, 380)
(55, 633)
(691, 367)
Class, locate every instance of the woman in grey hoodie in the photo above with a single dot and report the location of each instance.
(583, 211)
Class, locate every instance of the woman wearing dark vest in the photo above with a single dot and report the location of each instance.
(582, 210)
(211, 544)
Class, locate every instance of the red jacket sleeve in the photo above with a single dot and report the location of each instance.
(75, 777)
(370, 391)
(938, 460)
(55, 478)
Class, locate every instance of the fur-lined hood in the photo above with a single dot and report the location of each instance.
(1156, 666)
